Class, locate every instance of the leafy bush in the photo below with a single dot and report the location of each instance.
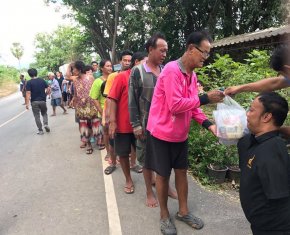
(8, 74)
(204, 149)
(225, 72)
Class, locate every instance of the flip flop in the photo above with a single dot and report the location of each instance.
(89, 151)
(138, 169)
(83, 145)
(129, 190)
(110, 169)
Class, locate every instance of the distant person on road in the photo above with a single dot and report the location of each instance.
(265, 167)
(23, 86)
(141, 86)
(174, 104)
(36, 91)
(56, 95)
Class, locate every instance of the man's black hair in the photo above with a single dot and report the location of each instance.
(152, 41)
(32, 72)
(125, 52)
(94, 62)
(276, 105)
(139, 55)
(280, 57)
(197, 37)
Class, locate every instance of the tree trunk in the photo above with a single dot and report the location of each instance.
(114, 59)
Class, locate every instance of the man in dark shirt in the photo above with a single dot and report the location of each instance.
(36, 90)
(265, 167)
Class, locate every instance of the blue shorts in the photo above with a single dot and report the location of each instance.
(56, 102)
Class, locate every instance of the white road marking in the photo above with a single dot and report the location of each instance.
(10, 120)
(112, 207)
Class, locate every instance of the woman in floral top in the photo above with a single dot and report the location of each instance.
(86, 110)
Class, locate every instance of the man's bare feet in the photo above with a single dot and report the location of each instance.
(172, 192)
(151, 200)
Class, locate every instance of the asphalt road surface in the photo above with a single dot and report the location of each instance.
(49, 186)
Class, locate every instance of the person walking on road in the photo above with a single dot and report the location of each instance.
(36, 91)
(56, 94)
(175, 102)
(23, 87)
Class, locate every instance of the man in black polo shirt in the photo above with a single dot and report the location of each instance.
(37, 89)
(265, 167)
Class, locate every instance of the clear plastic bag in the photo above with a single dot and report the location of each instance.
(231, 121)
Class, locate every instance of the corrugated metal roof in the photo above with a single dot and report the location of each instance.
(266, 33)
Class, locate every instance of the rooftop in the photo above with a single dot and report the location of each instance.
(261, 34)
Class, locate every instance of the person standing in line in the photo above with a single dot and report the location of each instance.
(97, 95)
(36, 91)
(175, 102)
(23, 87)
(119, 123)
(55, 94)
(265, 167)
(125, 61)
(85, 108)
(96, 72)
(141, 86)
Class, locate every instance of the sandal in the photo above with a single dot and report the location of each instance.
(89, 151)
(190, 220)
(101, 147)
(110, 169)
(83, 145)
(137, 168)
(129, 190)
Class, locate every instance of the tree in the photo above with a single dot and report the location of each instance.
(64, 45)
(17, 51)
(134, 21)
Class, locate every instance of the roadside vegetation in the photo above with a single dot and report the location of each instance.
(204, 148)
(9, 78)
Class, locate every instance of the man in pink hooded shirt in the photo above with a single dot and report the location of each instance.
(175, 102)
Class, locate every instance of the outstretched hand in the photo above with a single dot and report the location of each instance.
(215, 96)
(232, 90)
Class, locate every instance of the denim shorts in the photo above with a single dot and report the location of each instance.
(56, 102)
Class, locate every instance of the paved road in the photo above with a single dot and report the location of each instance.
(49, 186)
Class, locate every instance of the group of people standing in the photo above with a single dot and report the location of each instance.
(144, 112)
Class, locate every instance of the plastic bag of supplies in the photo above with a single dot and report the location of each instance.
(231, 121)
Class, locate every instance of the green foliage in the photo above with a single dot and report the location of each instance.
(176, 19)
(62, 46)
(8, 74)
(225, 72)
(204, 149)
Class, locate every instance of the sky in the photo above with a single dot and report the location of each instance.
(20, 21)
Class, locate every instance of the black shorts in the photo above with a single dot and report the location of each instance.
(123, 143)
(162, 156)
(260, 232)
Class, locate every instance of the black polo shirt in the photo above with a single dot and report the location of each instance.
(265, 181)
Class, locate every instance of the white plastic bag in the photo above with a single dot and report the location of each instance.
(231, 121)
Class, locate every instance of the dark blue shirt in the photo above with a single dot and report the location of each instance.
(37, 88)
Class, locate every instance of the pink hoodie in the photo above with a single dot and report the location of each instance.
(175, 102)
